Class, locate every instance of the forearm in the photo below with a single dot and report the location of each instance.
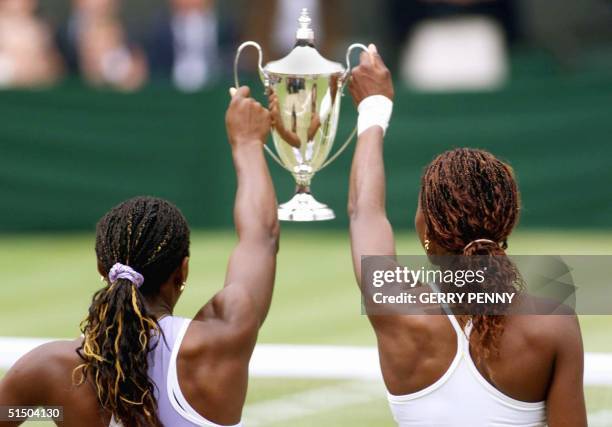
(367, 180)
(255, 214)
(252, 265)
(371, 232)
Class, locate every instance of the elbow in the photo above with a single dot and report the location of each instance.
(360, 211)
(269, 235)
(274, 235)
(355, 209)
(265, 235)
(261, 231)
(271, 231)
(351, 209)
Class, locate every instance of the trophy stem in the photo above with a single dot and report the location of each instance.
(303, 207)
(299, 189)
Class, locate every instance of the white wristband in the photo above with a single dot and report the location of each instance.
(374, 110)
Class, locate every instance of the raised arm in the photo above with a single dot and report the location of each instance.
(246, 296)
(371, 232)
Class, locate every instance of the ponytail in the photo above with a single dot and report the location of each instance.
(470, 202)
(139, 244)
(502, 277)
(116, 342)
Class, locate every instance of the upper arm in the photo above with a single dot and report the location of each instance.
(372, 235)
(565, 401)
(252, 268)
(230, 316)
(247, 292)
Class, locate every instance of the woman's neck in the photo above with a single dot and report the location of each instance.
(158, 308)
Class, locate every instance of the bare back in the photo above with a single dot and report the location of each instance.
(212, 381)
(419, 350)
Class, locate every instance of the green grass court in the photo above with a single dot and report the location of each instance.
(49, 279)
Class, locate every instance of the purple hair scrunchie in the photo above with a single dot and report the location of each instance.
(121, 271)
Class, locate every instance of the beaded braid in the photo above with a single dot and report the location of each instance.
(467, 195)
(151, 236)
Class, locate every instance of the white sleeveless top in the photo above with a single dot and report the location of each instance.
(173, 409)
(463, 397)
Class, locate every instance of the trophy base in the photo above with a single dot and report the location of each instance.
(303, 207)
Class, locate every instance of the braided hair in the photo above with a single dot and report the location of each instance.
(470, 202)
(151, 236)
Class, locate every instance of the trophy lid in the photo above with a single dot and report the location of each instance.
(304, 59)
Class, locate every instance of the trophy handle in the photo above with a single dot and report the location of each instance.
(262, 73)
(347, 72)
(264, 79)
(344, 80)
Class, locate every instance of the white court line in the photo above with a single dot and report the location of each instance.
(314, 361)
(311, 402)
(358, 364)
(601, 418)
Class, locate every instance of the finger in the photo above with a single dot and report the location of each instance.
(365, 59)
(242, 92)
(372, 51)
(374, 55)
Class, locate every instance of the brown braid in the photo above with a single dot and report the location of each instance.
(151, 236)
(468, 194)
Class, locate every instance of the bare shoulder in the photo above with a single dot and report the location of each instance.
(49, 358)
(36, 373)
(558, 331)
(565, 329)
(409, 324)
(418, 333)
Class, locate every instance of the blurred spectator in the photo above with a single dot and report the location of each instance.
(27, 55)
(453, 44)
(579, 34)
(406, 14)
(98, 45)
(185, 44)
(273, 24)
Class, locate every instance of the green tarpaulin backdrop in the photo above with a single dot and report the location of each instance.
(68, 154)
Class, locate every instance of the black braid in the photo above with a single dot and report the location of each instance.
(151, 236)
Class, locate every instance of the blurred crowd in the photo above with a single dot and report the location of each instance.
(94, 43)
(436, 44)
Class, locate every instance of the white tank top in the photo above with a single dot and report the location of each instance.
(463, 397)
(173, 409)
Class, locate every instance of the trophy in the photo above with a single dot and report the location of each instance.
(305, 91)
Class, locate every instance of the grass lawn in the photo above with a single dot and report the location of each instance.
(49, 280)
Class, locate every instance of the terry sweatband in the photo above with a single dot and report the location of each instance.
(374, 110)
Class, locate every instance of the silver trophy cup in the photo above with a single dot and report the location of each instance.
(307, 90)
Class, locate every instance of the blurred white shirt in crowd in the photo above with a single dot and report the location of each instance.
(462, 53)
(196, 48)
